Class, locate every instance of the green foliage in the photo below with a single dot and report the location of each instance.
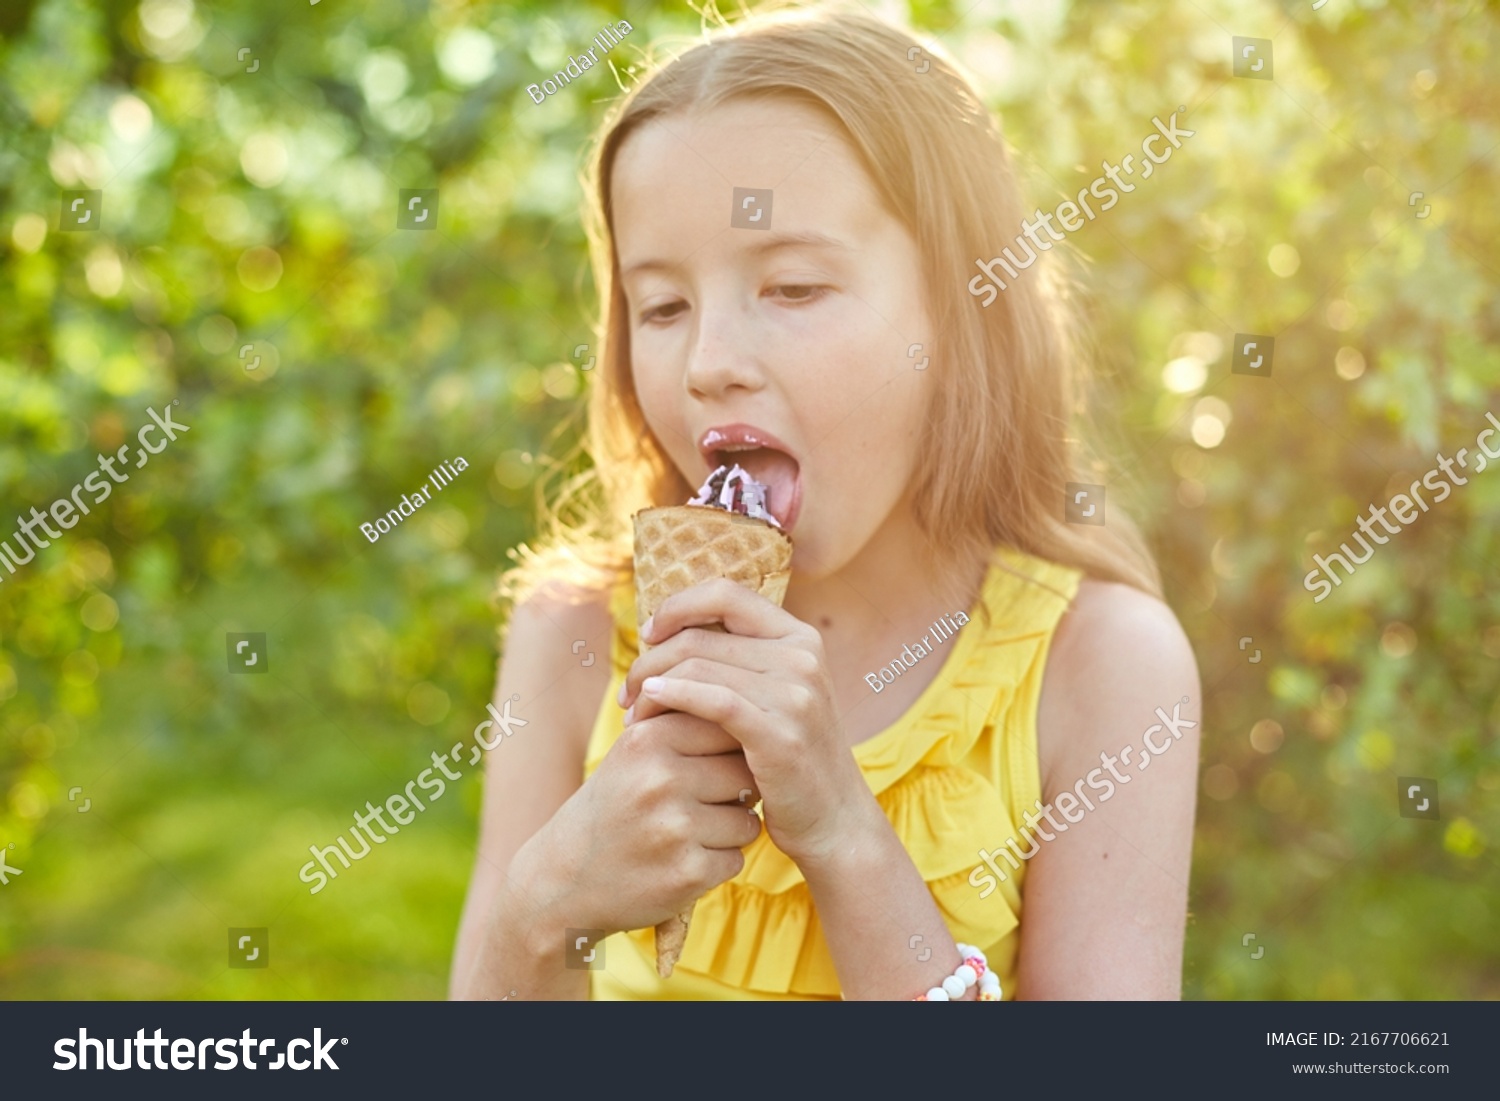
(257, 208)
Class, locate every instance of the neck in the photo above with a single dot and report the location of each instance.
(887, 591)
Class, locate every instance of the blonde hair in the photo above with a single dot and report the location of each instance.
(1004, 393)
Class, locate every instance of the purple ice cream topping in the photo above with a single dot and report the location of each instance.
(730, 488)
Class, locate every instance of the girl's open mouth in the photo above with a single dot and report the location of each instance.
(765, 459)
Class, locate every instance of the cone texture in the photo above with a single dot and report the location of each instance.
(676, 548)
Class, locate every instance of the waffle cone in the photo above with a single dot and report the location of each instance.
(676, 548)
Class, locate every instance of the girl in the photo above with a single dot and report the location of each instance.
(786, 220)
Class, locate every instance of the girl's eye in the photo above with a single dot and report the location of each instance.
(795, 293)
(800, 292)
(664, 312)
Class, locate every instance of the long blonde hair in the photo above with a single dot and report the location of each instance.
(1005, 396)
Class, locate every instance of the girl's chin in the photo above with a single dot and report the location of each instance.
(813, 559)
(825, 544)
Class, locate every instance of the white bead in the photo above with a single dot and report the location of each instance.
(966, 975)
(954, 986)
(937, 994)
(967, 950)
(989, 983)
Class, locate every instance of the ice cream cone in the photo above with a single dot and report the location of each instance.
(676, 547)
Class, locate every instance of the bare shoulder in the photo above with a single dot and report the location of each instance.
(1117, 625)
(1118, 653)
(567, 609)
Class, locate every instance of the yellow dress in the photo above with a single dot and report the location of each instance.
(954, 775)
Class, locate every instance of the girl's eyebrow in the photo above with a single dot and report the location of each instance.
(774, 242)
(806, 239)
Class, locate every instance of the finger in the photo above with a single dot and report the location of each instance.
(719, 865)
(723, 778)
(757, 655)
(747, 683)
(726, 827)
(683, 734)
(717, 703)
(740, 611)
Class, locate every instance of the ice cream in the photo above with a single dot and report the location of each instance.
(724, 531)
(732, 489)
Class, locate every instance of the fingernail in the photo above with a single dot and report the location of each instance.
(646, 628)
(652, 685)
(621, 696)
(630, 716)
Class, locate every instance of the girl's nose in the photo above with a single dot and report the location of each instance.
(723, 356)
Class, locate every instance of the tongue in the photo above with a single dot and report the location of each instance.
(777, 471)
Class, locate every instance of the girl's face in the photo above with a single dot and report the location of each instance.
(777, 340)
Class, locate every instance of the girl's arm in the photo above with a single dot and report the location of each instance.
(655, 826)
(508, 937)
(878, 916)
(1105, 901)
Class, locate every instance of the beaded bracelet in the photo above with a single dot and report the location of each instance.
(974, 969)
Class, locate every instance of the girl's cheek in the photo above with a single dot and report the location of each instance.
(655, 410)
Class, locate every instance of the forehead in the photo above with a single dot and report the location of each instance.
(675, 177)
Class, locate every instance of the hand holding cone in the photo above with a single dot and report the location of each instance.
(679, 546)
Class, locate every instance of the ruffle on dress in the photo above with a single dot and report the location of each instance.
(760, 931)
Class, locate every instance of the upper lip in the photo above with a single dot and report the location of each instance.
(737, 435)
